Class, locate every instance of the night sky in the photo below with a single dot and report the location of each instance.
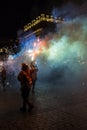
(15, 14)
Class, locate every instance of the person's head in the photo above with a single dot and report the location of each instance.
(24, 66)
(32, 64)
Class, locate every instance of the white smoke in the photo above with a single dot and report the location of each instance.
(63, 55)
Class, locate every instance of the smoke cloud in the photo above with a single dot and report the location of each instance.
(60, 56)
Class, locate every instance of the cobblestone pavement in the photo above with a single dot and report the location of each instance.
(57, 107)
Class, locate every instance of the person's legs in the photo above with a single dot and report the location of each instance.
(29, 103)
(3, 84)
(33, 87)
(23, 108)
(31, 106)
(23, 94)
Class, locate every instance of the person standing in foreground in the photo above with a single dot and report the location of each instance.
(3, 78)
(33, 73)
(26, 83)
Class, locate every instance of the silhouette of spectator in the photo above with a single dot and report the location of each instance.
(33, 72)
(3, 77)
(26, 83)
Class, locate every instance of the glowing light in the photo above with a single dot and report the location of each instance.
(10, 57)
(35, 44)
(40, 18)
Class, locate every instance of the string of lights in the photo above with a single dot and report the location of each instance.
(41, 18)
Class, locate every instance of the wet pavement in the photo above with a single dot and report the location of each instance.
(57, 107)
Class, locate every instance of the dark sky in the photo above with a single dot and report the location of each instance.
(16, 14)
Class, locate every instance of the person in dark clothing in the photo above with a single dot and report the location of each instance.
(33, 72)
(26, 83)
(3, 78)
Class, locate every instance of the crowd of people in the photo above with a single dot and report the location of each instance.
(27, 78)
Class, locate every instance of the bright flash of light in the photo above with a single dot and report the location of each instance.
(35, 44)
(33, 54)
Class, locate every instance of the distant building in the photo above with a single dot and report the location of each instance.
(40, 26)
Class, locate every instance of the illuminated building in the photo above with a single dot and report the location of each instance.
(39, 26)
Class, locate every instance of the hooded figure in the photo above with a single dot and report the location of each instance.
(33, 73)
(26, 83)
